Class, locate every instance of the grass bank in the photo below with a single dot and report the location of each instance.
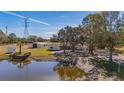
(40, 54)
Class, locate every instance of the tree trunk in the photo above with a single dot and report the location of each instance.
(91, 49)
(20, 48)
(64, 47)
(73, 47)
(110, 55)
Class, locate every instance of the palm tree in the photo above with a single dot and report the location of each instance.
(20, 43)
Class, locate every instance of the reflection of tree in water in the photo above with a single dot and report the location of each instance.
(21, 64)
(68, 72)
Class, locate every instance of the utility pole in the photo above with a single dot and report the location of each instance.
(26, 33)
(6, 30)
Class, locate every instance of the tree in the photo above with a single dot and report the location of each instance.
(75, 37)
(62, 36)
(12, 38)
(32, 38)
(54, 38)
(71, 36)
(112, 23)
(92, 28)
(3, 37)
(40, 39)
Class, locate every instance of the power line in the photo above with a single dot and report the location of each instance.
(31, 19)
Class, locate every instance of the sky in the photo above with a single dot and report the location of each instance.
(50, 21)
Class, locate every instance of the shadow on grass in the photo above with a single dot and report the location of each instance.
(111, 68)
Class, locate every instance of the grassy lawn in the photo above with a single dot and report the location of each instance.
(38, 52)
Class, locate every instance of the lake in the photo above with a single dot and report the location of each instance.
(38, 71)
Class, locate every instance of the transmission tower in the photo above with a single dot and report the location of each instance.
(26, 33)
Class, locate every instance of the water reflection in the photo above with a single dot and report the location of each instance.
(28, 71)
(43, 71)
(20, 64)
(68, 72)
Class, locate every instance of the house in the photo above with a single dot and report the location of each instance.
(38, 45)
(49, 46)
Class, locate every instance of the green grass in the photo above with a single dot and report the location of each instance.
(39, 52)
(4, 56)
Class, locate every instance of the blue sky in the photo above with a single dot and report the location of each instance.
(56, 19)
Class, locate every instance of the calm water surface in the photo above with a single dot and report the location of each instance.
(43, 71)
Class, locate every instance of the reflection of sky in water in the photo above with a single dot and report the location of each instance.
(37, 71)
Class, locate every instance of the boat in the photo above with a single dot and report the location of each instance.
(17, 57)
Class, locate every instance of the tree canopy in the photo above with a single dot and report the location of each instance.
(99, 30)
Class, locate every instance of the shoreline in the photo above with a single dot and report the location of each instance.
(43, 58)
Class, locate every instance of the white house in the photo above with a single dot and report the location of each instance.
(50, 46)
(38, 45)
